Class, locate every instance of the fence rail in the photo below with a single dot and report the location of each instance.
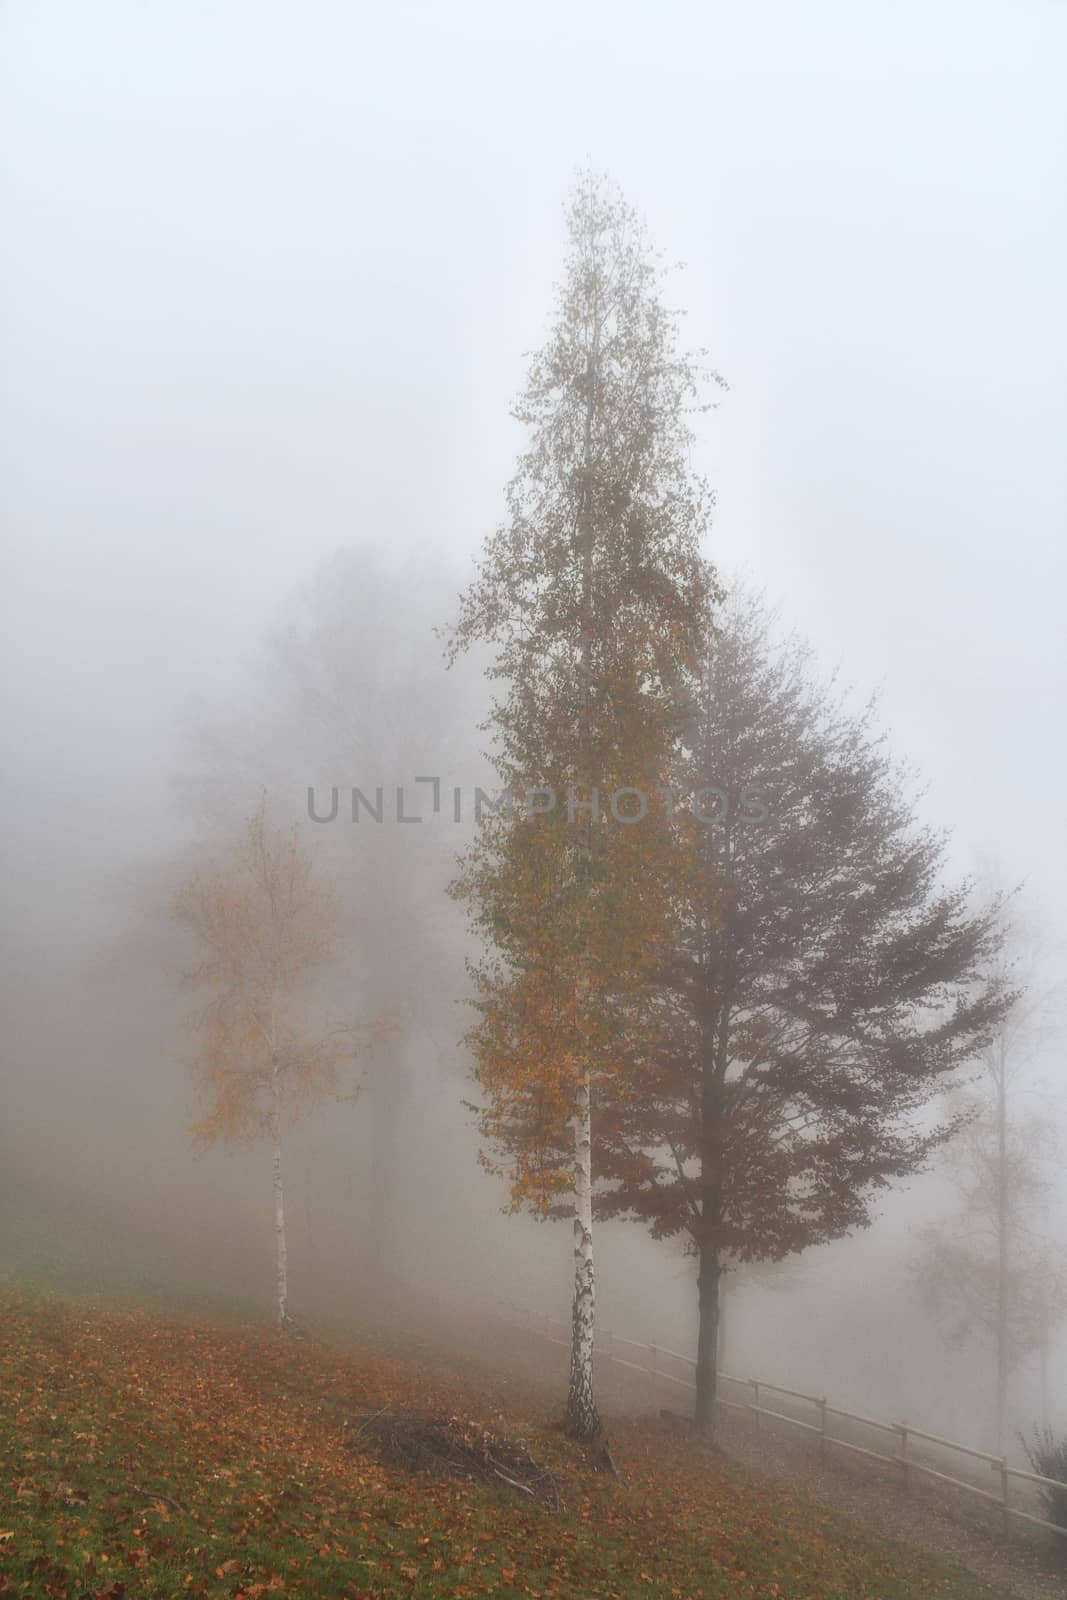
(542, 1322)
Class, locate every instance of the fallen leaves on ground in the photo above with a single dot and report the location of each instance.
(146, 1456)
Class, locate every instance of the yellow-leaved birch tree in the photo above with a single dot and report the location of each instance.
(263, 929)
(594, 595)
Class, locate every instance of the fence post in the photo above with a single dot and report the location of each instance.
(755, 1402)
(905, 1472)
(1005, 1512)
(822, 1429)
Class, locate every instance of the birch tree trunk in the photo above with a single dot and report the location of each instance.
(582, 1419)
(279, 1216)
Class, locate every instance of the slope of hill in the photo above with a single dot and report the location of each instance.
(150, 1456)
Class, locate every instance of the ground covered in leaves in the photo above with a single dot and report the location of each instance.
(146, 1456)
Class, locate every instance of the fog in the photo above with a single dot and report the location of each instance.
(271, 282)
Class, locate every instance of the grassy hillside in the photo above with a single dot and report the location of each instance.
(147, 1456)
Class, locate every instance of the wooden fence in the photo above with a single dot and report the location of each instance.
(904, 1457)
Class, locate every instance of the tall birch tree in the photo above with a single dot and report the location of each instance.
(594, 594)
(263, 928)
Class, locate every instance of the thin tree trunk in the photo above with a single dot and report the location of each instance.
(1002, 1246)
(715, 1062)
(708, 1289)
(582, 1419)
(279, 1219)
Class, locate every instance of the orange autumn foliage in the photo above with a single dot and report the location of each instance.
(263, 928)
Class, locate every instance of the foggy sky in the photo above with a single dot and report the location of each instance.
(270, 281)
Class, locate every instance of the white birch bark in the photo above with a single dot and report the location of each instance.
(279, 1215)
(583, 1421)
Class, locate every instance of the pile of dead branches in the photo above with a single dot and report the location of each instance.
(459, 1449)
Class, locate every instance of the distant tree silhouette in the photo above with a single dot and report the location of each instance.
(990, 1272)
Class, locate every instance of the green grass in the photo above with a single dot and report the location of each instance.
(142, 1455)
